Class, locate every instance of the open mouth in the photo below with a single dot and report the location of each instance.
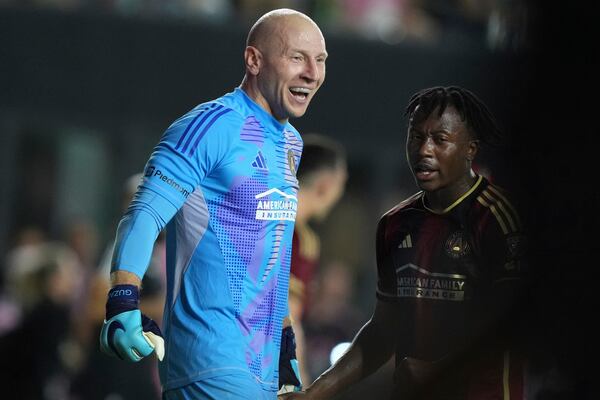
(300, 93)
(424, 171)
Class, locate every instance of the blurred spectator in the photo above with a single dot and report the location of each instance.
(35, 360)
(29, 234)
(10, 309)
(391, 21)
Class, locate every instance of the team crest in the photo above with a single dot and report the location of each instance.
(457, 245)
(291, 162)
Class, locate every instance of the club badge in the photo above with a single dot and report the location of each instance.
(457, 245)
(291, 162)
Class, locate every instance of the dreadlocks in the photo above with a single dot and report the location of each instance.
(472, 110)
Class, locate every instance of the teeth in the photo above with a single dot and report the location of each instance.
(300, 90)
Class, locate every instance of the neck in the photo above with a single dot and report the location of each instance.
(440, 200)
(250, 87)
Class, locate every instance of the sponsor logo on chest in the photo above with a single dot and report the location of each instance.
(275, 205)
(417, 282)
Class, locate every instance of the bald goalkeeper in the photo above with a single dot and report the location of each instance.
(222, 182)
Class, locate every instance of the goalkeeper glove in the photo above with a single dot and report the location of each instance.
(126, 332)
(289, 372)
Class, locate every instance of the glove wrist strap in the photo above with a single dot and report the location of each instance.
(122, 298)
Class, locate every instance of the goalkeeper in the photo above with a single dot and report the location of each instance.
(222, 181)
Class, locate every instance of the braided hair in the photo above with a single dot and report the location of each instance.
(473, 111)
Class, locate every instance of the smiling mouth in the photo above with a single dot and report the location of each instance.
(300, 93)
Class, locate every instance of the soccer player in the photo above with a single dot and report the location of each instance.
(322, 175)
(450, 263)
(222, 181)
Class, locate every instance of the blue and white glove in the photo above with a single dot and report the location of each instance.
(127, 333)
(289, 372)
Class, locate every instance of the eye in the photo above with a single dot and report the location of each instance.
(414, 136)
(298, 58)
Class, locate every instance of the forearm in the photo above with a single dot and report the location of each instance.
(124, 278)
(371, 348)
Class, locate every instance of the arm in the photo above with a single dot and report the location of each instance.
(372, 347)
(126, 332)
(124, 278)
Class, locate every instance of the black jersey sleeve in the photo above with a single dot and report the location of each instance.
(504, 241)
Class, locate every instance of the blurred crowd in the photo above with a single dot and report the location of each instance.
(498, 24)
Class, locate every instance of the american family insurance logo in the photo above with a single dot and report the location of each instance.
(275, 205)
(419, 283)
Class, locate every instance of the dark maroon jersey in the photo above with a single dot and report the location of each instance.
(441, 269)
(305, 259)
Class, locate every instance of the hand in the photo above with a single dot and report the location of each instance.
(127, 333)
(293, 396)
(289, 373)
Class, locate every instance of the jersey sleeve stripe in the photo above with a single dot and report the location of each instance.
(513, 211)
(187, 129)
(204, 118)
(495, 212)
(506, 377)
(206, 128)
(500, 205)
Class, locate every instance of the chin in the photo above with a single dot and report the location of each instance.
(297, 114)
(427, 186)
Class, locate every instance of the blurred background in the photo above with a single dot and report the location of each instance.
(87, 88)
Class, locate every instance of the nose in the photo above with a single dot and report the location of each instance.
(425, 147)
(311, 71)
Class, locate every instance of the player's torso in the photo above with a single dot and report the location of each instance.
(437, 270)
(229, 254)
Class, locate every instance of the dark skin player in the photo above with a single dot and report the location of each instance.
(440, 150)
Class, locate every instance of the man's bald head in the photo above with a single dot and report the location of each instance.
(285, 63)
(270, 24)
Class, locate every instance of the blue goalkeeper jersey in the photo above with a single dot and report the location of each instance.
(222, 180)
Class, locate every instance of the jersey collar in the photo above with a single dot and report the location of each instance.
(457, 201)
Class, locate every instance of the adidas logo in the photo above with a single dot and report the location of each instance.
(260, 162)
(406, 243)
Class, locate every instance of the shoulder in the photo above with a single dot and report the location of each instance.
(396, 216)
(188, 130)
(499, 203)
(412, 202)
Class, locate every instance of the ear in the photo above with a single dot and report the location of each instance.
(322, 183)
(472, 149)
(253, 60)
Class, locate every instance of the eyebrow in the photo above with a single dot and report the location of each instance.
(323, 54)
(440, 130)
